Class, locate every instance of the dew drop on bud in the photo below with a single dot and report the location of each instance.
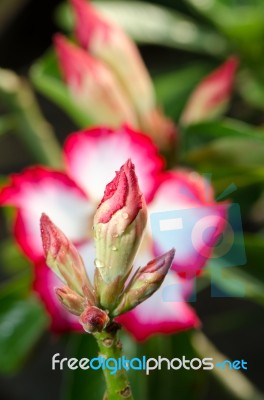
(98, 264)
(125, 215)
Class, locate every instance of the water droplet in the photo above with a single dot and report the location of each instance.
(125, 215)
(114, 248)
(98, 264)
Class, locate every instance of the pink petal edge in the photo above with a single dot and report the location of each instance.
(92, 156)
(39, 189)
(189, 193)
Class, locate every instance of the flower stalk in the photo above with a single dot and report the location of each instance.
(117, 385)
(119, 224)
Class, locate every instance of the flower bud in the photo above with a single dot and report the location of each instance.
(63, 258)
(119, 223)
(70, 300)
(145, 282)
(106, 41)
(211, 96)
(160, 128)
(93, 86)
(93, 319)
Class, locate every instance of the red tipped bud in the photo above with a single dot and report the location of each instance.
(145, 282)
(119, 223)
(70, 300)
(63, 258)
(93, 319)
(92, 85)
(211, 96)
(107, 41)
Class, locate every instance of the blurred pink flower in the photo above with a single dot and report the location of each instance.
(70, 199)
(211, 96)
(92, 85)
(106, 41)
(111, 74)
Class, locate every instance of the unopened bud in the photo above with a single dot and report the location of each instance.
(160, 128)
(93, 319)
(109, 43)
(70, 300)
(63, 258)
(93, 86)
(145, 282)
(118, 228)
(212, 94)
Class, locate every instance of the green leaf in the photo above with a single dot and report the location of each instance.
(81, 384)
(17, 96)
(148, 23)
(46, 78)
(235, 282)
(239, 20)
(22, 324)
(173, 88)
(232, 152)
(7, 124)
(11, 257)
(251, 88)
(16, 287)
(198, 135)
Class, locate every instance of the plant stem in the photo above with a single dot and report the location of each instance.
(117, 384)
(17, 96)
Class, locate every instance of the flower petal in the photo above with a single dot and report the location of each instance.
(93, 156)
(164, 312)
(37, 190)
(187, 199)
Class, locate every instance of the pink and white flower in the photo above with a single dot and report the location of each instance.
(70, 199)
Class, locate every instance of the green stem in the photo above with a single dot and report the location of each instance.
(17, 96)
(117, 385)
